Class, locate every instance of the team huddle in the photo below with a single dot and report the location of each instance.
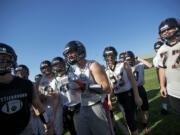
(74, 94)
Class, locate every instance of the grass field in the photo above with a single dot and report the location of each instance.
(160, 124)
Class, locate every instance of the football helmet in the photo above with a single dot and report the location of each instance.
(58, 65)
(78, 48)
(110, 52)
(8, 59)
(22, 71)
(122, 56)
(130, 58)
(157, 45)
(110, 56)
(169, 29)
(38, 77)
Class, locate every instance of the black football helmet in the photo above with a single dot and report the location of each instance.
(110, 56)
(157, 45)
(74, 46)
(22, 71)
(166, 25)
(37, 77)
(8, 59)
(58, 65)
(110, 51)
(130, 58)
(122, 57)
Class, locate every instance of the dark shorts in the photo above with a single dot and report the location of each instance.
(126, 99)
(175, 104)
(143, 95)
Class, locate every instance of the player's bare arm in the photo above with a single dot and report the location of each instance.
(100, 77)
(162, 80)
(137, 98)
(145, 62)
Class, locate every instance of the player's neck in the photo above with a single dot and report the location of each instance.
(81, 63)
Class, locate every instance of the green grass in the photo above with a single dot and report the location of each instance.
(161, 125)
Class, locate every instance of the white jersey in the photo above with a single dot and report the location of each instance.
(88, 97)
(138, 72)
(45, 88)
(156, 61)
(170, 61)
(68, 97)
(49, 103)
(118, 77)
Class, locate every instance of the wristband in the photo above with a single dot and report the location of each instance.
(44, 118)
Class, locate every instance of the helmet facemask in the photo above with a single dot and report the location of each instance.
(45, 68)
(130, 58)
(6, 63)
(22, 72)
(122, 57)
(58, 67)
(110, 59)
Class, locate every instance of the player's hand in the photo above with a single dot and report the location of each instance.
(138, 101)
(163, 92)
(77, 84)
(110, 105)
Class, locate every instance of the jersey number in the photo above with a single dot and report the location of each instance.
(176, 63)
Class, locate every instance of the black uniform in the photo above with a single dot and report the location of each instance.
(15, 104)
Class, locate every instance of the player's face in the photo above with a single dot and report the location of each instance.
(169, 32)
(37, 78)
(46, 70)
(130, 61)
(22, 74)
(72, 56)
(5, 61)
(58, 67)
(110, 59)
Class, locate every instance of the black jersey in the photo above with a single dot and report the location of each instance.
(15, 104)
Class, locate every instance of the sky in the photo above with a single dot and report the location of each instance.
(39, 29)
